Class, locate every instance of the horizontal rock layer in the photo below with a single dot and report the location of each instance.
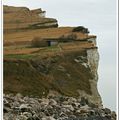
(25, 19)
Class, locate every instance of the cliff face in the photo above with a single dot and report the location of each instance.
(70, 73)
(68, 68)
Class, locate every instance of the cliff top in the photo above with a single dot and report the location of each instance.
(28, 25)
(24, 18)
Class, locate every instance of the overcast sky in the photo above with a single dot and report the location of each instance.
(100, 17)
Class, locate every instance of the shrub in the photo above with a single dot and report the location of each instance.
(71, 36)
(80, 29)
(38, 42)
(68, 37)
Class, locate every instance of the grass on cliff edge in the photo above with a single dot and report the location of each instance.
(19, 56)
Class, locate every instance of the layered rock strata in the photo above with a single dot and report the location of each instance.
(25, 19)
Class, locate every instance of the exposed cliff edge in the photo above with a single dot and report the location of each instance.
(22, 18)
(66, 64)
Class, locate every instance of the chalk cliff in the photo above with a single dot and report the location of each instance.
(68, 68)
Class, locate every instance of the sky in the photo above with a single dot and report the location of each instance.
(100, 16)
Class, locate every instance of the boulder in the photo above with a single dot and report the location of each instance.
(24, 107)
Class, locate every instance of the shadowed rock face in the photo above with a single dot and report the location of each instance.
(69, 68)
